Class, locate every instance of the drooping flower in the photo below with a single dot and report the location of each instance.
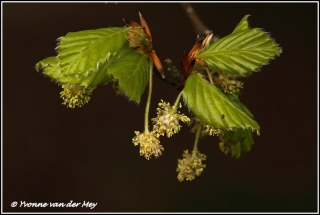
(212, 131)
(75, 95)
(167, 120)
(149, 144)
(190, 166)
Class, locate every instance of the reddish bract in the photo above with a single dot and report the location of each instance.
(189, 59)
(152, 52)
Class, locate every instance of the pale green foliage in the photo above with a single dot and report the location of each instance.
(132, 72)
(241, 106)
(51, 65)
(93, 57)
(82, 53)
(243, 25)
(213, 107)
(125, 56)
(236, 142)
(242, 52)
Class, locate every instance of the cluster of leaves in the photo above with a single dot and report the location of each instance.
(208, 81)
(90, 58)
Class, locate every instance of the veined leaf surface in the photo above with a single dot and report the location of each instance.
(132, 72)
(240, 105)
(239, 140)
(84, 56)
(50, 67)
(242, 52)
(83, 51)
(213, 107)
(243, 25)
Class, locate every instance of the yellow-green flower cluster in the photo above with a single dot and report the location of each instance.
(190, 166)
(205, 130)
(136, 36)
(226, 149)
(212, 131)
(75, 95)
(167, 120)
(229, 84)
(225, 146)
(138, 40)
(149, 144)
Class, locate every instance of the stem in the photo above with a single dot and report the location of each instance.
(146, 116)
(195, 20)
(177, 100)
(209, 75)
(195, 147)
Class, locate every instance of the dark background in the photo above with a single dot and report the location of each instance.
(55, 154)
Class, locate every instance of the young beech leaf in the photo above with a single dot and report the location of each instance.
(239, 141)
(83, 51)
(83, 55)
(93, 57)
(242, 52)
(132, 72)
(243, 25)
(213, 107)
(101, 76)
(50, 67)
(241, 106)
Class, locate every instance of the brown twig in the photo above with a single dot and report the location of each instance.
(200, 28)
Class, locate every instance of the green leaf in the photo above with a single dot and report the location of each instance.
(242, 52)
(239, 141)
(213, 107)
(241, 106)
(83, 51)
(243, 25)
(93, 57)
(50, 67)
(53, 61)
(132, 72)
(101, 76)
(84, 56)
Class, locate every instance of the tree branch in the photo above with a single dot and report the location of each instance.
(200, 28)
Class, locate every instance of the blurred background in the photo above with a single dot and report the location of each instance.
(55, 154)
